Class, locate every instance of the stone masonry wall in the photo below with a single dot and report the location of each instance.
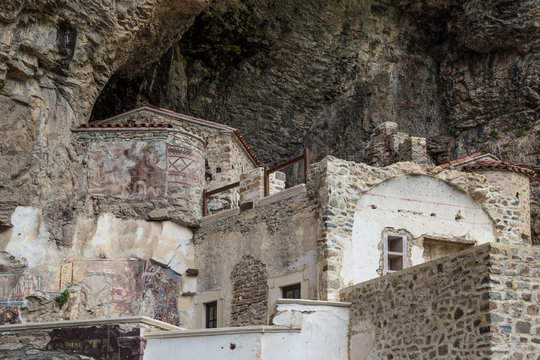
(225, 158)
(518, 187)
(250, 292)
(339, 184)
(514, 301)
(281, 234)
(479, 304)
(112, 158)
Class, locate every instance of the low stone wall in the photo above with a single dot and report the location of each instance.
(481, 304)
(95, 339)
(514, 301)
(303, 330)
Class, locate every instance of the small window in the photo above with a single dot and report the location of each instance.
(291, 292)
(211, 314)
(395, 253)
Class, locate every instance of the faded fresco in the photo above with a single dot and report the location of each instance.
(132, 169)
(96, 342)
(124, 278)
(164, 285)
(186, 166)
(130, 283)
(14, 287)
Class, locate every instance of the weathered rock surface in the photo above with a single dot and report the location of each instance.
(55, 57)
(291, 73)
(287, 73)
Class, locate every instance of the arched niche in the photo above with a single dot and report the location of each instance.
(420, 208)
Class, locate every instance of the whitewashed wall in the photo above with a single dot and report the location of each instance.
(420, 205)
(305, 330)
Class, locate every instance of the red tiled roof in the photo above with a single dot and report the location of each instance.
(130, 125)
(464, 159)
(102, 125)
(203, 122)
(498, 165)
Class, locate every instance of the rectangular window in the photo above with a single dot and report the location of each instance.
(291, 292)
(211, 314)
(395, 253)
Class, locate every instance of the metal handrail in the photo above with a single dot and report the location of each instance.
(206, 194)
(267, 171)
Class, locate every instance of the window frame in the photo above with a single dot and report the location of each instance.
(203, 298)
(208, 307)
(297, 287)
(389, 255)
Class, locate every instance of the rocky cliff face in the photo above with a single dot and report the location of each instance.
(55, 57)
(289, 74)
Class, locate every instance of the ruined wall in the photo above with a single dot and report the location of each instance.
(480, 303)
(419, 207)
(40, 269)
(249, 293)
(281, 234)
(518, 186)
(340, 184)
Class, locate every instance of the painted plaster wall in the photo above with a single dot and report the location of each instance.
(418, 206)
(322, 335)
(338, 185)
(146, 173)
(246, 347)
(41, 261)
(225, 157)
(324, 329)
(282, 235)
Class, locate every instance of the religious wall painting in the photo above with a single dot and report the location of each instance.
(124, 279)
(128, 169)
(186, 166)
(14, 288)
(164, 286)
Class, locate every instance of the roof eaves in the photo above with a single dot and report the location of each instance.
(192, 119)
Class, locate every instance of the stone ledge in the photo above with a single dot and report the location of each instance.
(312, 302)
(285, 194)
(144, 130)
(222, 331)
(220, 215)
(412, 269)
(90, 322)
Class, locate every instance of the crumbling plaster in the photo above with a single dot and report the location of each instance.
(418, 205)
(340, 184)
(103, 237)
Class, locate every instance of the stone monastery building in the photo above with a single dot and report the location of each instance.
(198, 251)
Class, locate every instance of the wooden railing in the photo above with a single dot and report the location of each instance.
(267, 171)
